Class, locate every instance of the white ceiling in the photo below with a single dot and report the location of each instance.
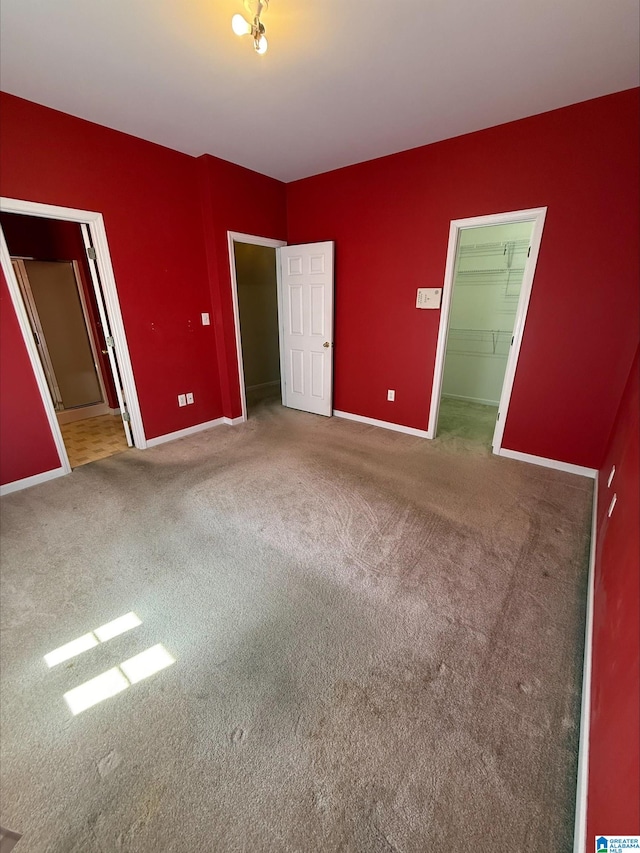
(342, 81)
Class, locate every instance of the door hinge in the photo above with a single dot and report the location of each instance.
(529, 252)
(498, 418)
(126, 417)
(91, 253)
(512, 340)
(109, 341)
(36, 339)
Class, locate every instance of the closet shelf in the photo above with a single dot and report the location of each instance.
(479, 341)
(492, 272)
(470, 248)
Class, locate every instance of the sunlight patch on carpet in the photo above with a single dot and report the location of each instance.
(92, 639)
(117, 626)
(119, 678)
(147, 663)
(102, 687)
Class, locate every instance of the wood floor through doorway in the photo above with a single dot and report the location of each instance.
(93, 439)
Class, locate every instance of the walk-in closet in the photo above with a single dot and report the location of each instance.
(490, 265)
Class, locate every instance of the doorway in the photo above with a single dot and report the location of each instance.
(254, 278)
(69, 337)
(490, 268)
(301, 312)
(60, 320)
(69, 340)
(57, 266)
(257, 289)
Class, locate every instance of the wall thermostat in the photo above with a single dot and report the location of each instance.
(428, 297)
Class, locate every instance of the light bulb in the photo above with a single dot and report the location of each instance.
(261, 45)
(240, 26)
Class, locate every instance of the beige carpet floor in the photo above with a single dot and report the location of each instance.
(377, 645)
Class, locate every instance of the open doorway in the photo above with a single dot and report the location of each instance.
(49, 261)
(296, 315)
(258, 310)
(96, 301)
(490, 269)
(253, 263)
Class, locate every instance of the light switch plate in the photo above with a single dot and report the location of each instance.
(205, 319)
(428, 297)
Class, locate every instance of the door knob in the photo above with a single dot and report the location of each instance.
(105, 352)
(326, 344)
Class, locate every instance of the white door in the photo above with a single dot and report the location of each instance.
(306, 323)
(106, 328)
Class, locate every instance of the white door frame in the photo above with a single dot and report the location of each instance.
(535, 215)
(267, 242)
(95, 223)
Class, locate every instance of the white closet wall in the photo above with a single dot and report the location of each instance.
(489, 269)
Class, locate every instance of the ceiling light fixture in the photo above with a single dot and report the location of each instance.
(242, 27)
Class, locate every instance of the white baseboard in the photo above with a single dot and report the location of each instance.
(27, 482)
(422, 433)
(548, 463)
(181, 433)
(484, 402)
(580, 830)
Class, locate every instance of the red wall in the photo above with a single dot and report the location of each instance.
(149, 198)
(614, 749)
(31, 448)
(51, 239)
(390, 219)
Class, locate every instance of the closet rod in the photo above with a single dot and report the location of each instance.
(517, 244)
(488, 331)
(492, 271)
(494, 337)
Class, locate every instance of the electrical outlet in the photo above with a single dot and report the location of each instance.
(391, 395)
(189, 398)
(205, 319)
(182, 400)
